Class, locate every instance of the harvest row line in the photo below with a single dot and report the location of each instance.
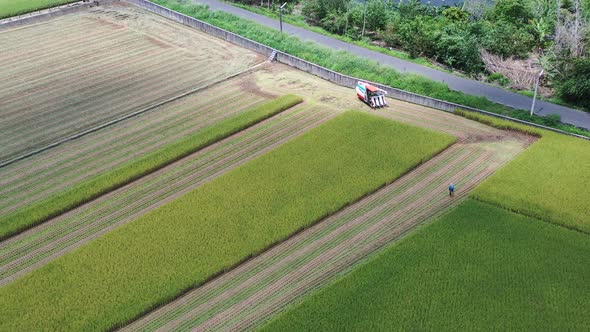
(43, 243)
(44, 175)
(247, 295)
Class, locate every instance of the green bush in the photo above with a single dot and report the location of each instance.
(83, 192)
(180, 245)
(575, 87)
(498, 78)
(477, 267)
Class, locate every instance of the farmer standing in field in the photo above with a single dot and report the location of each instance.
(451, 189)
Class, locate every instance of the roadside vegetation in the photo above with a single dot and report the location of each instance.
(476, 267)
(547, 181)
(504, 42)
(10, 8)
(348, 64)
(182, 244)
(83, 192)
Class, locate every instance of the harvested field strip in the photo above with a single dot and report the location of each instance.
(133, 169)
(121, 142)
(43, 243)
(437, 120)
(115, 92)
(58, 86)
(343, 159)
(158, 124)
(251, 293)
(143, 136)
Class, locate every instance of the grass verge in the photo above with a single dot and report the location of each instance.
(348, 64)
(88, 190)
(547, 181)
(477, 267)
(180, 245)
(9, 8)
(299, 21)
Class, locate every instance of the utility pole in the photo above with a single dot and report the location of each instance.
(281, 16)
(364, 20)
(535, 94)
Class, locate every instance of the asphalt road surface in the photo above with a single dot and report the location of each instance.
(568, 115)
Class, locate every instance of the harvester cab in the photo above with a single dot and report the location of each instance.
(371, 95)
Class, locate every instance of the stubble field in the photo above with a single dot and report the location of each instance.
(73, 73)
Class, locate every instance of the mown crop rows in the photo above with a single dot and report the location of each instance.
(79, 71)
(41, 176)
(248, 295)
(52, 239)
(316, 173)
(149, 162)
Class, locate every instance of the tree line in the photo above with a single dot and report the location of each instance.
(504, 41)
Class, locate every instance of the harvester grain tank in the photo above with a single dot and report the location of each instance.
(370, 94)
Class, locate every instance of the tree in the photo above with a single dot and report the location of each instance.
(514, 11)
(576, 86)
(376, 15)
(570, 30)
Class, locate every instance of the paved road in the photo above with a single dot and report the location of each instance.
(568, 115)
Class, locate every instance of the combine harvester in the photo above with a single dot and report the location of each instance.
(371, 95)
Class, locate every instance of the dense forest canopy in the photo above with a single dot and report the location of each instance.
(505, 41)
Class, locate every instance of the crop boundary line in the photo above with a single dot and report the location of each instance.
(524, 214)
(276, 243)
(125, 117)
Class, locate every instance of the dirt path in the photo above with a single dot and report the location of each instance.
(52, 239)
(250, 294)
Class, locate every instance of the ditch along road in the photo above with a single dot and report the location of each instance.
(497, 95)
(45, 242)
(254, 291)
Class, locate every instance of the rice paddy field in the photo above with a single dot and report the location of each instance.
(479, 267)
(261, 200)
(10, 8)
(76, 72)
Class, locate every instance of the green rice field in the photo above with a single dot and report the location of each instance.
(10, 8)
(548, 181)
(479, 267)
(184, 243)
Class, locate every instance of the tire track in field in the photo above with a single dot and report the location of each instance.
(248, 295)
(41, 244)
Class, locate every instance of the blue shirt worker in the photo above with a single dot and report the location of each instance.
(451, 189)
